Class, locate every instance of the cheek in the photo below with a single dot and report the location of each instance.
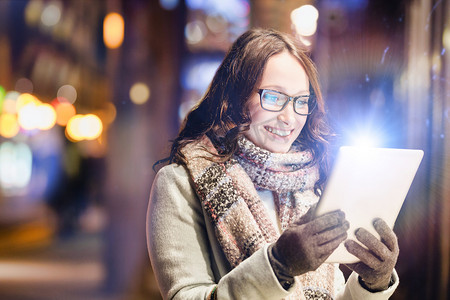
(301, 122)
(260, 117)
(257, 114)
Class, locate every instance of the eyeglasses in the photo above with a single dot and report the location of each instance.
(277, 101)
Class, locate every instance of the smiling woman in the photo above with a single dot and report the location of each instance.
(231, 216)
(272, 130)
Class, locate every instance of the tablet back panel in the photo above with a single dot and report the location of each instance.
(367, 183)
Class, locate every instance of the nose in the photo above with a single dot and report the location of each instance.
(287, 115)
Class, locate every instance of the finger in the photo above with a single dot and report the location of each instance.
(387, 235)
(359, 268)
(373, 244)
(326, 221)
(363, 254)
(329, 235)
(330, 246)
(307, 217)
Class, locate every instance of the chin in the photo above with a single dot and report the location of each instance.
(278, 148)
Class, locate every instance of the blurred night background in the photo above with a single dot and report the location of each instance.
(91, 91)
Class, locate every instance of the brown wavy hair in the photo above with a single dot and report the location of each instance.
(222, 114)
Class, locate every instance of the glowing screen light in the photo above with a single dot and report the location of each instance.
(139, 93)
(15, 165)
(364, 138)
(113, 30)
(304, 19)
(365, 142)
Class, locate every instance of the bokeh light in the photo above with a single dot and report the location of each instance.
(107, 114)
(24, 85)
(34, 114)
(33, 12)
(113, 30)
(84, 127)
(67, 93)
(446, 38)
(304, 20)
(73, 128)
(28, 116)
(12, 95)
(168, 4)
(2, 97)
(51, 14)
(195, 32)
(64, 111)
(91, 127)
(25, 99)
(139, 93)
(216, 23)
(15, 165)
(47, 116)
(9, 127)
(9, 106)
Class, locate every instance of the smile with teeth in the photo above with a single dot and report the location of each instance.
(278, 132)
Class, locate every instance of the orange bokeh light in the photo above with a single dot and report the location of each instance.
(113, 30)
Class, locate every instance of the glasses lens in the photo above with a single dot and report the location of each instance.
(273, 101)
(301, 105)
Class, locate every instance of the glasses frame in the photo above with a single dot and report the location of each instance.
(311, 101)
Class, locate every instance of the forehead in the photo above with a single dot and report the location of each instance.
(284, 72)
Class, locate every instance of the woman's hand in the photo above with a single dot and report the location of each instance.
(380, 257)
(307, 243)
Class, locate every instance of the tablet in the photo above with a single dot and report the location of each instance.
(368, 183)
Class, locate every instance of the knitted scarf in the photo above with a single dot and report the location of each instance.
(228, 193)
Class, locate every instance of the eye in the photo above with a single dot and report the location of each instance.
(271, 98)
(301, 102)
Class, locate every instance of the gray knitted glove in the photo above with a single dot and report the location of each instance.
(305, 245)
(378, 261)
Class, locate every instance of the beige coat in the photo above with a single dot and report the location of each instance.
(187, 259)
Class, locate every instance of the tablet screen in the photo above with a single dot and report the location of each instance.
(368, 183)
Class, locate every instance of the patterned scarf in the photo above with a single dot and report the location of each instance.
(228, 192)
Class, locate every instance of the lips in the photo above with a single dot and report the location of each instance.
(279, 132)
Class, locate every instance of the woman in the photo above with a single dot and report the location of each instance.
(231, 216)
